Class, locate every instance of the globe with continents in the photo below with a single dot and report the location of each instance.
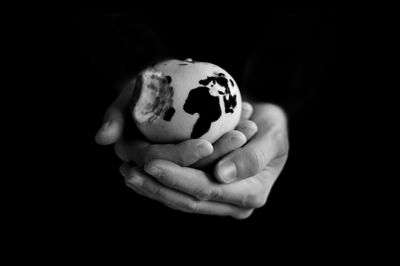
(177, 100)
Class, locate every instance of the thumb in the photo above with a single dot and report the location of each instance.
(269, 143)
(242, 163)
(253, 157)
(113, 125)
(112, 128)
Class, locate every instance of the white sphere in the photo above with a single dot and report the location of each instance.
(177, 100)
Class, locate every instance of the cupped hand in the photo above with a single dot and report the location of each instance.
(195, 152)
(243, 178)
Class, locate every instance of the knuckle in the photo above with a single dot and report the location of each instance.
(255, 200)
(257, 159)
(202, 195)
(215, 193)
(192, 206)
(152, 189)
(208, 194)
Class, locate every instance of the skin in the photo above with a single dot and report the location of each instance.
(194, 176)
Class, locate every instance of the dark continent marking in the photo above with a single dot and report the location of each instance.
(171, 111)
(207, 106)
(230, 103)
(229, 100)
(169, 114)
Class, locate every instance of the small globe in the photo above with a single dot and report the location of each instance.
(176, 100)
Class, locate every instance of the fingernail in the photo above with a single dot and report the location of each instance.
(153, 171)
(237, 141)
(246, 106)
(125, 167)
(136, 181)
(203, 149)
(227, 171)
(248, 130)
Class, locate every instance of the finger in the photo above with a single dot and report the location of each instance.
(184, 153)
(113, 124)
(248, 128)
(227, 143)
(188, 180)
(250, 159)
(249, 193)
(146, 186)
(247, 111)
(269, 142)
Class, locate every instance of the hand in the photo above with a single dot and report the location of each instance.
(114, 120)
(196, 152)
(256, 166)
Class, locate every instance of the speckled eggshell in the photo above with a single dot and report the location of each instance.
(204, 102)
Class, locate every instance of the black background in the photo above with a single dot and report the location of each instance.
(310, 59)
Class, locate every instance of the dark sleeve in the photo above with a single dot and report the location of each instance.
(290, 63)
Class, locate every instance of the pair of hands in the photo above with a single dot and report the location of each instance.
(230, 177)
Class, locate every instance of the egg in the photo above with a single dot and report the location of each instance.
(176, 100)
